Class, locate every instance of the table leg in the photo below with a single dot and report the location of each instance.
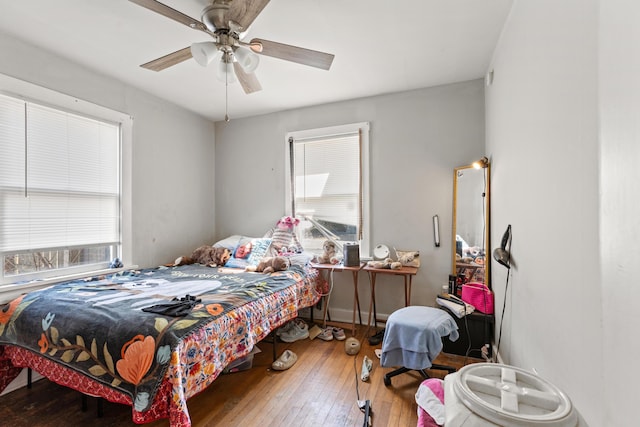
(406, 293)
(373, 299)
(355, 282)
(372, 294)
(355, 303)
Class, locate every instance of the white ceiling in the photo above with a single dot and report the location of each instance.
(380, 47)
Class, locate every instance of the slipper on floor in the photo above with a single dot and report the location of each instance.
(367, 366)
(285, 361)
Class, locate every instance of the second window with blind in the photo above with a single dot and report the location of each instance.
(328, 185)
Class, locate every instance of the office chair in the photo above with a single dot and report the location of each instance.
(413, 338)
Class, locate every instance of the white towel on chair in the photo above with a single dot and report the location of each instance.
(413, 336)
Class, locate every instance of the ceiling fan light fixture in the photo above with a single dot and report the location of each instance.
(225, 71)
(247, 59)
(204, 53)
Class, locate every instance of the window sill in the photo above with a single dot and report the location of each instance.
(12, 291)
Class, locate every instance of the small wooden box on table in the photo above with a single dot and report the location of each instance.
(329, 269)
(406, 272)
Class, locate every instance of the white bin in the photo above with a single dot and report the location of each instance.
(490, 394)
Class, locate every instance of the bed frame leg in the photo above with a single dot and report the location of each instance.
(275, 341)
(84, 402)
(100, 407)
(29, 378)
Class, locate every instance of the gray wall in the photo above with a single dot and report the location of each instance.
(416, 140)
(562, 133)
(172, 201)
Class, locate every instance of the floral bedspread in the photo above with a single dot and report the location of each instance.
(97, 328)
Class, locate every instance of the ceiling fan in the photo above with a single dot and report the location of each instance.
(226, 21)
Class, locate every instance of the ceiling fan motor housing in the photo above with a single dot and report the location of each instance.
(214, 16)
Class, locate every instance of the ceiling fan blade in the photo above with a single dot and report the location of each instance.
(244, 12)
(248, 81)
(168, 60)
(171, 13)
(287, 52)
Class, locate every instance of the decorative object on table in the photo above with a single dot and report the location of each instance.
(351, 257)
(479, 296)
(408, 258)
(381, 252)
(329, 255)
(386, 263)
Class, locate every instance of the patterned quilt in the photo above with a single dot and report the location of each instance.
(98, 328)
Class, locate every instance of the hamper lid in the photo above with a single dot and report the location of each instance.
(510, 396)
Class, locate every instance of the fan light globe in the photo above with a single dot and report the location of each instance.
(248, 60)
(204, 52)
(225, 72)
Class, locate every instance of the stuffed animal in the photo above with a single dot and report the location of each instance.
(283, 236)
(270, 264)
(328, 254)
(206, 255)
(387, 263)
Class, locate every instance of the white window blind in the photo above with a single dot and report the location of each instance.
(59, 179)
(327, 179)
(328, 185)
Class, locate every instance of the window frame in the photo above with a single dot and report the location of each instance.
(29, 92)
(363, 128)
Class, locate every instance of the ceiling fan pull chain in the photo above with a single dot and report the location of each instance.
(226, 96)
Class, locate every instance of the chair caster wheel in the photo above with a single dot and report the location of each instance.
(387, 381)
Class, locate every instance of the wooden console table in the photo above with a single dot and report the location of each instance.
(330, 268)
(406, 272)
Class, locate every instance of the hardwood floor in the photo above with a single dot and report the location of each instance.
(321, 389)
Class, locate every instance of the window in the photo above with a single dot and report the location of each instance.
(60, 190)
(328, 185)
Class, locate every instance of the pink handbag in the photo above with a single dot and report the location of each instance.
(479, 296)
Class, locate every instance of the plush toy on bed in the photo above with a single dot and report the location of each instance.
(206, 255)
(283, 236)
(270, 264)
(328, 255)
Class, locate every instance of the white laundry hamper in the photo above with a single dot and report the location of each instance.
(491, 394)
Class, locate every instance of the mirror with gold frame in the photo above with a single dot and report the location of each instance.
(470, 245)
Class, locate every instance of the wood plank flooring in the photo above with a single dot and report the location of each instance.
(321, 389)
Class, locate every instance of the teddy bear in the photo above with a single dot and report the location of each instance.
(283, 237)
(270, 264)
(387, 263)
(328, 255)
(206, 255)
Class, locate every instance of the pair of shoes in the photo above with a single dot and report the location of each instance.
(367, 366)
(297, 331)
(326, 334)
(285, 361)
(338, 333)
(287, 326)
(284, 328)
(376, 338)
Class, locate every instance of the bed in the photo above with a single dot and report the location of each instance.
(92, 335)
